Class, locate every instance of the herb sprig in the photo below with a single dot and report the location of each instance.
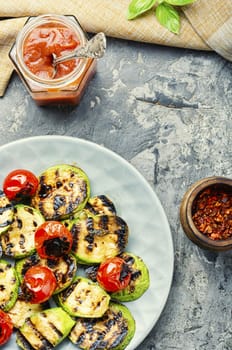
(166, 12)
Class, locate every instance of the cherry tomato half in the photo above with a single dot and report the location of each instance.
(6, 327)
(19, 184)
(113, 274)
(52, 240)
(39, 284)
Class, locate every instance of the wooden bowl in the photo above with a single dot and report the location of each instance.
(188, 208)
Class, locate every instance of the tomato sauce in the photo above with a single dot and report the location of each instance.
(45, 40)
(32, 52)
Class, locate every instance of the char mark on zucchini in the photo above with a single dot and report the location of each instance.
(63, 190)
(84, 298)
(18, 241)
(96, 238)
(100, 205)
(44, 330)
(52, 325)
(139, 281)
(113, 330)
(44, 343)
(6, 212)
(9, 285)
(63, 268)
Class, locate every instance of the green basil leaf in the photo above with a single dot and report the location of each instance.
(137, 7)
(168, 16)
(179, 2)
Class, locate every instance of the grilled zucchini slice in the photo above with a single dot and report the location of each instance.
(44, 330)
(63, 268)
(97, 205)
(84, 298)
(6, 212)
(139, 281)
(18, 241)
(112, 331)
(8, 285)
(63, 190)
(22, 310)
(100, 205)
(99, 237)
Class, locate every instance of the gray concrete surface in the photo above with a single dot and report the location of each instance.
(168, 112)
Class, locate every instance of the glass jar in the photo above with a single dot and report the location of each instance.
(34, 65)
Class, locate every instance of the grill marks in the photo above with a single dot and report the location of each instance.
(98, 237)
(139, 281)
(62, 189)
(63, 268)
(105, 333)
(8, 285)
(84, 298)
(100, 205)
(6, 212)
(44, 330)
(18, 241)
(135, 272)
(42, 342)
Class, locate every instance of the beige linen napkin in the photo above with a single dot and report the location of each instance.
(200, 29)
(212, 20)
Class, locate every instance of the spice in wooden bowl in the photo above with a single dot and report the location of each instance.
(206, 213)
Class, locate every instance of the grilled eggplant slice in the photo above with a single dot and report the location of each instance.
(84, 298)
(112, 331)
(44, 330)
(63, 268)
(18, 241)
(8, 285)
(139, 281)
(99, 237)
(63, 190)
(6, 212)
(22, 310)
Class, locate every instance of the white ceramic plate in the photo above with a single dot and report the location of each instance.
(135, 201)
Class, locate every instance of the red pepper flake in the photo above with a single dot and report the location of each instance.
(212, 212)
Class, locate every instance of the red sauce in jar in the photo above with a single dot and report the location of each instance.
(44, 40)
(212, 212)
(32, 52)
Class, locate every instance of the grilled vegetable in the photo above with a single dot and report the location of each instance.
(112, 331)
(8, 285)
(6, 212)
(99, 237)
(44, 330)
(84, 298)
(100, 205)
(53, 240)
(22, 310)
(63, 268)
(18, 241)
(139, 281)
(20, 184)
(113, 274)
(63, 190)
(6, 327)
(38, 285)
